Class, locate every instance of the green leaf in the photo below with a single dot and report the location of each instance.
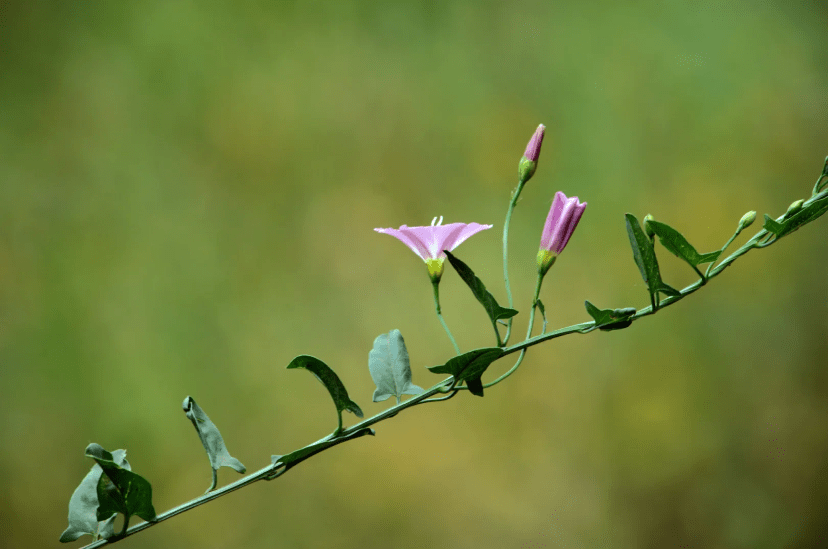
(645, 259)
(610, 319)
(330, 380)
(211, 439)
(291, 459)
(643, 254)
(806, 215)
(120, 490)
(675, 242)
(668, 290)
(83, 506)
(470, 366)
(390, 368)
(475, 386)
(479, 290)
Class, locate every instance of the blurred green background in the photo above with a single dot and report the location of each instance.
(188, 193)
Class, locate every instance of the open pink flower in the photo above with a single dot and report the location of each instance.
(428, 242)
(561, 222)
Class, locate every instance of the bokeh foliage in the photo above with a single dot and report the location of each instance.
(187, 198)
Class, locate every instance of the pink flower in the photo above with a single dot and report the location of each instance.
(561, 222)
(428, 242)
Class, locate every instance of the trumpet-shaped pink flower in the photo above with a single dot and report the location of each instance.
(561, 222)
(428, 242)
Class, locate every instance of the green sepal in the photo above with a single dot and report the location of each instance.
(477, 287)
(610, 319)
(83, 506)
(331, 381)
(675, 242)
(805, 215)
(470, 366)
(390, 367)
(120, 490)
(211, 438)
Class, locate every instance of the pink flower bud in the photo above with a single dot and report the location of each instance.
(561, 222)
(534, 146)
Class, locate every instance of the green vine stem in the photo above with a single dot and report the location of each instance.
(272, 471)
(512, 204)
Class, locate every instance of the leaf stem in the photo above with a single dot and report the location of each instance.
(512, 204)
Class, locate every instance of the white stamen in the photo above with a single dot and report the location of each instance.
(441, 220)
(434, 220)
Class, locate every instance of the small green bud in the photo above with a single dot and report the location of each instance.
(747, 220)
(435, 269)
(648, 229)
(795, 207)
(545, 260)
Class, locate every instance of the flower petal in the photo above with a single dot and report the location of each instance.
(408, 238)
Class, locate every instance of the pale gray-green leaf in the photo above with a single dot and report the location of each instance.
(390, 367)
(83, 506)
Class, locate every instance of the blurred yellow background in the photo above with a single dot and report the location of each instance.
(188, 194)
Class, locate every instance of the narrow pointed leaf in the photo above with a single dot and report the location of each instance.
(83, 506)
(804, 216)
(330, 380)
(610, 319)
(675, 242)
(477, 287)
(470, 365)
(390, 367)
(210, 437)
(643, 254)
(299, 455)
(120, 490)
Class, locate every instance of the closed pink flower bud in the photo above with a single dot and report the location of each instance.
(529, 161)
(561, 222)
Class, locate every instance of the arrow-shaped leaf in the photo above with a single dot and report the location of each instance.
(83, 506)
(477, 287)
(470, 366)
(610, 319)
(390, 368)
(675, 242)
(120, 490)
(211, 439)
(331, 381)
